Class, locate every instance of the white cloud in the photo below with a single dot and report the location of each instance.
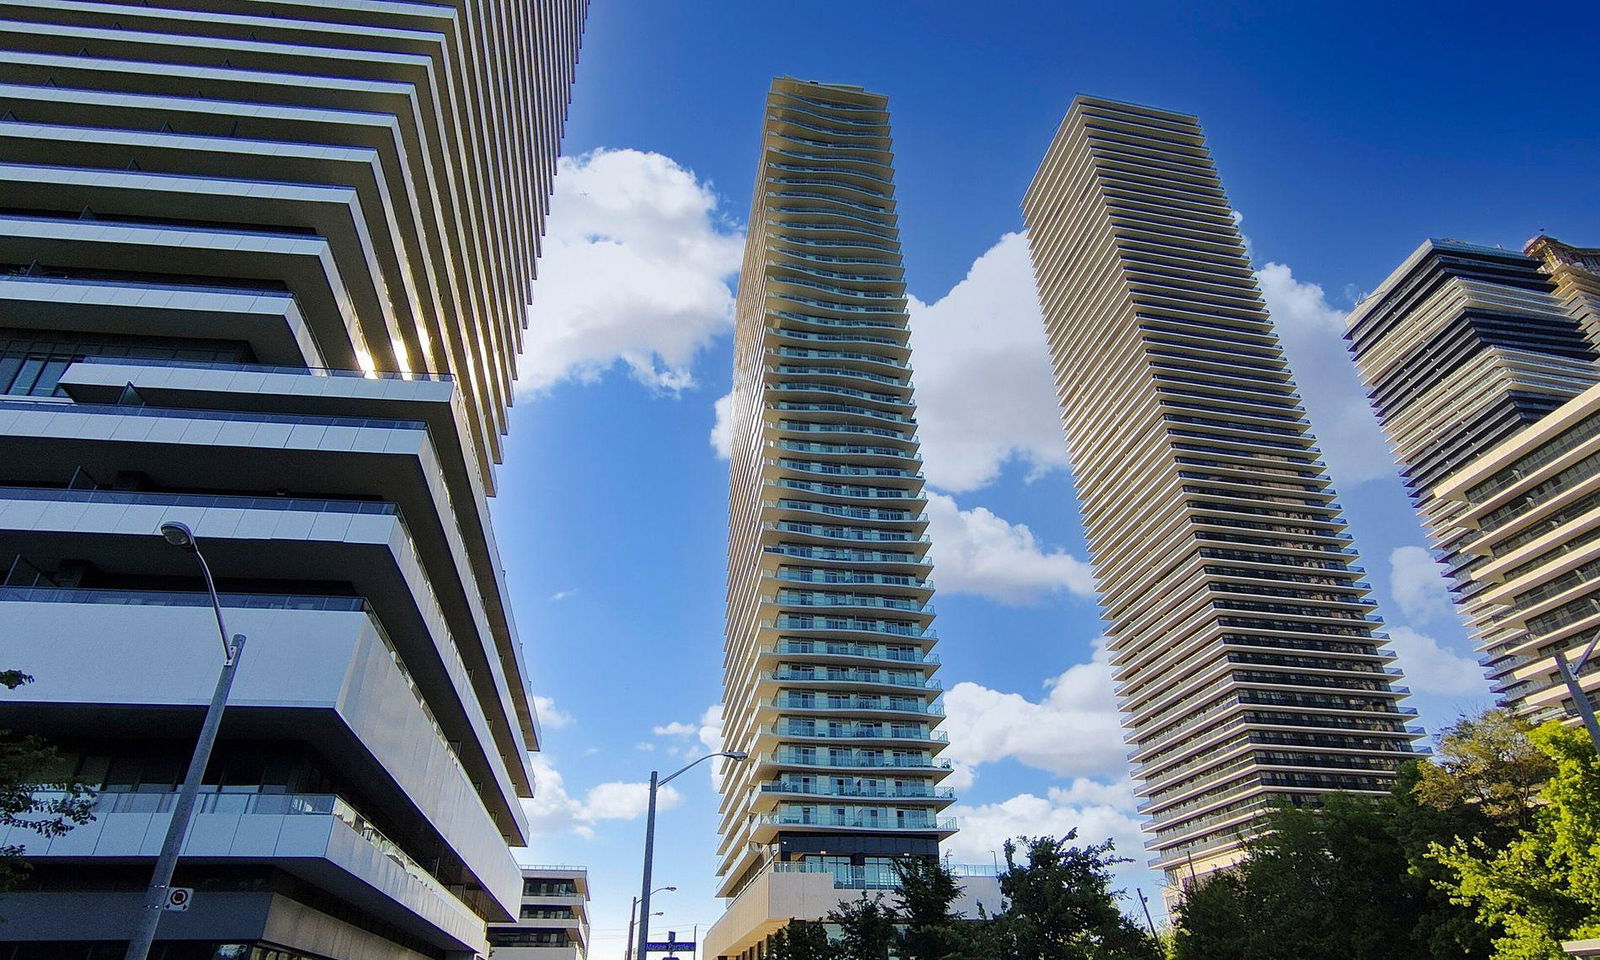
(697, 738)
(553, 810)
(985, 390)
(560, 595)
(1073, 730)
(634, 270)
(1417, 583)
(1431, 667)
(722, 428)
(1312, 332)
(977, 552)
(551, 717)
(1097, 810)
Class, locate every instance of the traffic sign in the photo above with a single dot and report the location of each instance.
(178, 898)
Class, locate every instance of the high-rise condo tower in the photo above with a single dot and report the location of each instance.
(829, 670)
(265, 267)
(1245, 649)
(1467, 350)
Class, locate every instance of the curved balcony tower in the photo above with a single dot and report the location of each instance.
(829, 667)
(1246, 652)
(266, 267)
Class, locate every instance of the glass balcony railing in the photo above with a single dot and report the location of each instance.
(804, 354)
(270, 368)
(885, 822)
(802, 758)
(280, 804)
(802, 387)
(55, 405)
(846, 731)
(813, 182)
(836, 600)
(855, 704)
(199, 501)
(883, 415)
(839, 322)
(871, 208)
(885, 792)
(835, 306)
(862, 534)
(832, 242)
(875, 651)
(817, 158)
(856, 624)
(845, 555)
(853, 429)
(855, 676)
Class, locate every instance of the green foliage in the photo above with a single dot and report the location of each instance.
(1487, 764)
(1060, 904)
(1331, 882)
(866, 929)
(32, 797)
(1544, 886)
(800, 940)
(931, 928)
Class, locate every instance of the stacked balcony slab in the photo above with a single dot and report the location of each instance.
(1246, 652)
(830, 672)
(554, 920)
(1462, 348)
(265, 269)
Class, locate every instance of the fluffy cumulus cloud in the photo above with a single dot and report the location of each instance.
(985, 391)
(551, 717)
(1073, 729)
(1432, 667)
(980, 553)
(1098, 811)
(1417, 584)
(1312, 330)
(634, 271)
(722, 428)
(693, 738)
(554, 810)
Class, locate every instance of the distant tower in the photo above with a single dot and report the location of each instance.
(1463, 348)
(829, 670)
(1241, 635)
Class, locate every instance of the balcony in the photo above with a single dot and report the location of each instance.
(854, 705)
(939, 824)
(792, 758)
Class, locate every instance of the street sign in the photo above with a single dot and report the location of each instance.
(669, 946)
(178, 898)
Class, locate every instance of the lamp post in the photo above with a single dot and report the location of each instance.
(650, 841)
(633, 914)
(155, 901)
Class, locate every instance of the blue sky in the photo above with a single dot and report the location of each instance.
(1344, 136)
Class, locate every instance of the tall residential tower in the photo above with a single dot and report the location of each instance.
(1245, 649)
(829, 669)
(265, 267)
(1468, 352)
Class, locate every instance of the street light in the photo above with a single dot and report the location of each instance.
(155, 901)
(650, 841)
(633, 914)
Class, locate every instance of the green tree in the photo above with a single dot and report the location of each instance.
(801, 940)
(1488, 772)
(1543, 887)
(1327, 884)
(1060, 904)
(31, 796)
(928, 889)
(866, 929)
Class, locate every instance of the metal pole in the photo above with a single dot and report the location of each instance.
(1143, 902)
(1579, 698)
(649, 854)
(155, 901)
(632, 918)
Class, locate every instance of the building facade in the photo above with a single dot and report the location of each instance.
(1248, 659)
(265, 271)
(1462, 348)
(829, 666)
(553, 922)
